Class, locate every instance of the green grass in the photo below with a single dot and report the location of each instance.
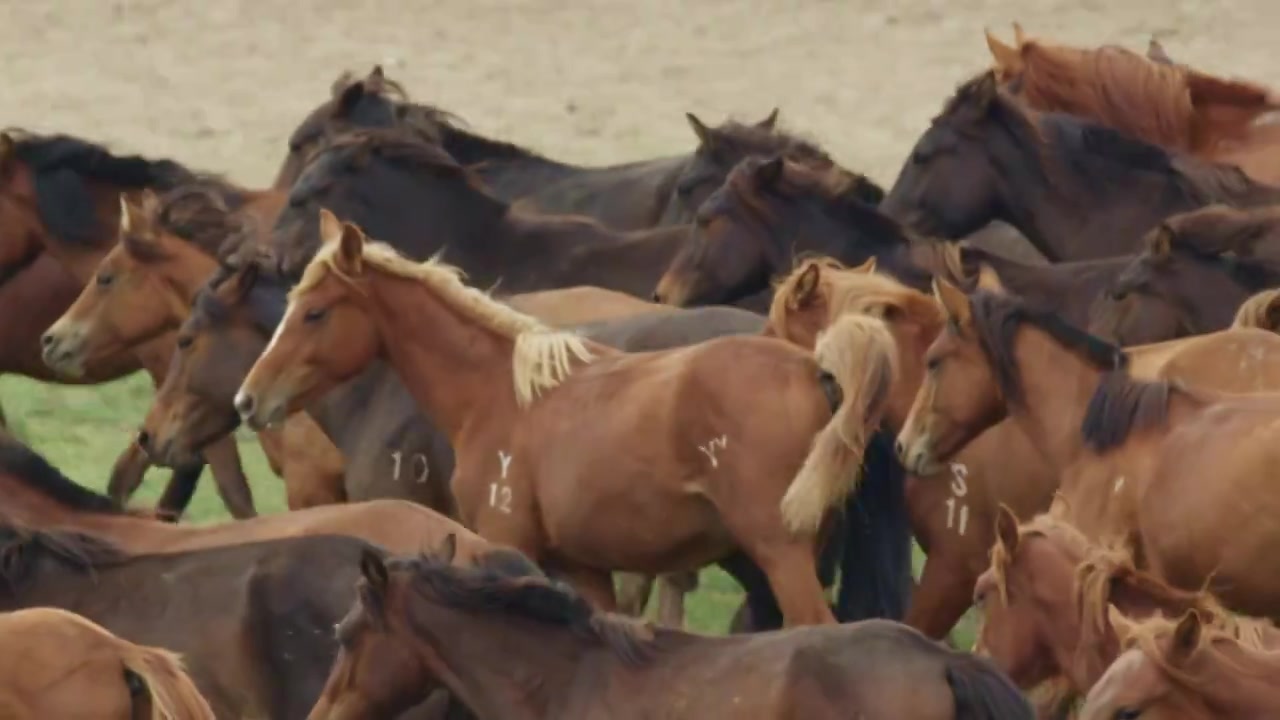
(82, 430)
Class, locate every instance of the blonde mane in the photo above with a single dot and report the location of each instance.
(1250, 635)
(844, 290)
(1259, 311)
(541, 358)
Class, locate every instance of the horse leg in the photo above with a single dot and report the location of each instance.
(223, 458)
(793, 576)
(633, 591)
(177, 494)
(127, 473)
(314, 470)
(944, 594)
(671, 592)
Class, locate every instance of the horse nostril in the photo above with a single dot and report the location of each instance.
(47, 339)
(144, 440)
(657, 297)
(244, 404)
(899, 448)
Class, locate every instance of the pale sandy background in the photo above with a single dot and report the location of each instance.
(220, 84)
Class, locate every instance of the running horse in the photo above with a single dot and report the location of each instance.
(692, 494)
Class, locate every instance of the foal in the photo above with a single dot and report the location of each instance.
(694, 464)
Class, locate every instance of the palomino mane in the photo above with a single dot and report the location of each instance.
(1259, 310)
(508, 583)
(33, 471)
(1151, 637)
(60, 165)
(541, 358)
(843, 290)
(21, 549)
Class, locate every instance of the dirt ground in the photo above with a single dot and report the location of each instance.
(219, 85)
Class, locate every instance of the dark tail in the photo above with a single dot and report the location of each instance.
(177, 494)
(984, 693)
(875, 566)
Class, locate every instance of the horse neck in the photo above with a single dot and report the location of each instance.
(507, 667)
(458, 371)
(1057, 386)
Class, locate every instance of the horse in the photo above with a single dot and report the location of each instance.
(486, 632)
(253, 621)
(953, 509)
(524, 374)
(1261, 310)
(1076, 190)
(62, 665)
(1185, 669)
(1132, 453)
(631, 196)
(1165, 104)
(61, 196)
(1194, 271)
(142, 291)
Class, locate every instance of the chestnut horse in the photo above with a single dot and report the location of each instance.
(58, 664)
(630, 196)
(1133, 455)
(143, 290)
(1076, 190)
(953, 510)
(1173, 106)
(1194, 271)
(484, 631)
(533, 384)
(1186, 669)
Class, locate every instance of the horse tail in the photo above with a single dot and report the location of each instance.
(982, 692)
(173, 694)
(860, 354)
(1261, 310)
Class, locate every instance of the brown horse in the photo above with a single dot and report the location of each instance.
(488, 631)
(58, 664)
(527, 378)
(1132, 454)
(1186, 669)
(954, 509)
(1170, 105)
(143, 290)
(63, 194)
(1077, 191)
(630, 196)
(1195, 270)
(253, 621)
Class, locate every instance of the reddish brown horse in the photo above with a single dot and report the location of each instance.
(483, 631)
(1170, 105)
(1133, 454)
(1194, 271)
(528, 378)
(1077, 191)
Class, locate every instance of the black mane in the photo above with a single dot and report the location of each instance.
(32, 470)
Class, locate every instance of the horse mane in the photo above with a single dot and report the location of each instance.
(1229, 236)
(739, 139)
(996, 319)
(541, 359)
(60, 165)
(202, 213)
(22, 548)
(1259, 311)
(982, 691)
(506, 582)
(32, 470)
(1122, 405)
(842, 290)
(1045, 525)
(1151, 636)
(265, 300)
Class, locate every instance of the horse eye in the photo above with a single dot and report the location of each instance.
(314, 315)
(105, 279)
(184, 342)
(933, 364)
(135, 683)
(1128, 714)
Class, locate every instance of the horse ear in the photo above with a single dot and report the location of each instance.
(953, 301)
(350, 97)
(246, 278)
(868, 266)
(376, 81)
(705, 136)
(1186, 638)
(1122, 625)
(1157, 54)
(1006, 57)
(130, 217)
(330, 227)
(1007, 528)
(1019, 36)
(770, 122)
(350, 257)
(374, 571)
(768, 174)
(989, 279)
(867, 191)
(806, 288)
(1160, 241)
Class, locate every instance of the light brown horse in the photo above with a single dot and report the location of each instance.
(612, 494)
(57, 664)
(1173, 106)
(1189, 670)
(495, 633)
(1133, 455)
(142, 292)
(954, 509)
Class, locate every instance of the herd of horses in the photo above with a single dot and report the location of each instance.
(508, 395)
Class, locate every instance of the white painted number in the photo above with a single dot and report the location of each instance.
(710, 449)
(959, 489)
(417, 465)
(500, 497)
(505, 460)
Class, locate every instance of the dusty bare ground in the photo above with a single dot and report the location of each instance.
(219, 85)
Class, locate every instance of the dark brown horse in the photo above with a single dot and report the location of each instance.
(488, 632)
(630, 196)
(253, 622)
(1076, 190)
(1194, 272)
(60, 197)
